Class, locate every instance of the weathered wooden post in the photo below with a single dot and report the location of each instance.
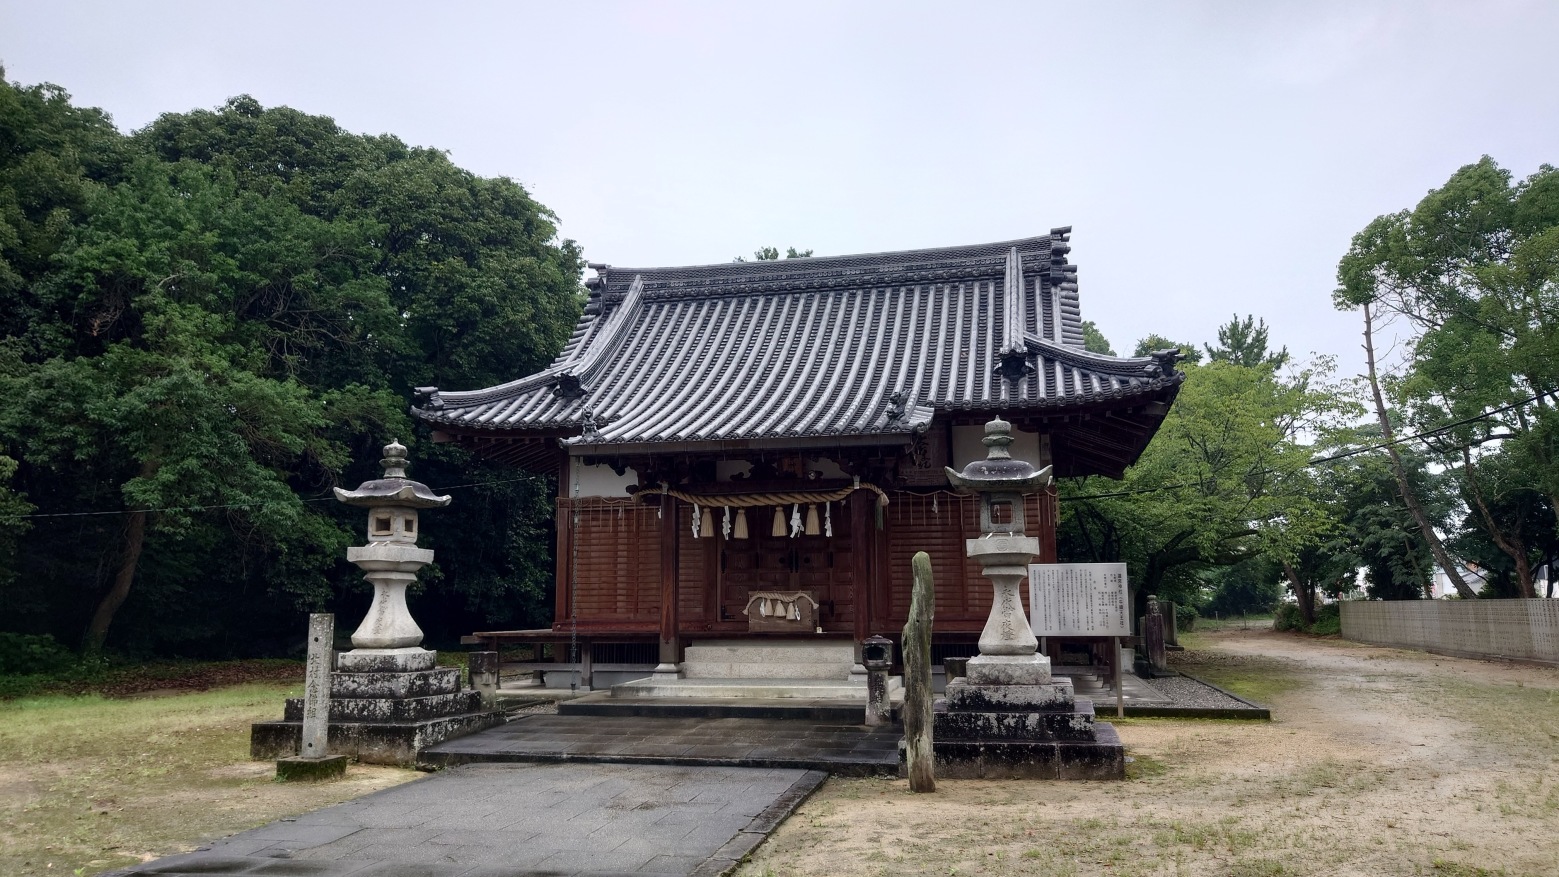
(917, 678)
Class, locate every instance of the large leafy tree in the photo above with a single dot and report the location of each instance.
(1473, 272)
(1224, 480)
(226, 322)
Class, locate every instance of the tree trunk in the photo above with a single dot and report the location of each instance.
(135, 540)
(1304, 592)
(1436, 547)
(1513, 547)
(917, 677)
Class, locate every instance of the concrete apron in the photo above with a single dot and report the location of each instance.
(494, 820)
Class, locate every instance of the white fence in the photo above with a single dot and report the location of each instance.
(1520, 630)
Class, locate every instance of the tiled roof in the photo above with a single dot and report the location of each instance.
(847, 346)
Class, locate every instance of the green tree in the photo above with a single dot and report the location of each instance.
(1188, 352)
(1473, 270)
(1224, 480)
(1244, 342)
(228, 323)
(1094, 340)
(771, 254)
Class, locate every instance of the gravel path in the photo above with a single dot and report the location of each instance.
(1188, 692)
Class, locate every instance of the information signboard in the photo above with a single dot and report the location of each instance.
(1079, 599)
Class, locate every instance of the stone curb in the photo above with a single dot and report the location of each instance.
(728, 857)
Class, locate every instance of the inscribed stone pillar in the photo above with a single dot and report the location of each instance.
(316, 686)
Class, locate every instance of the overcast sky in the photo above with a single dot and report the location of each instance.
(1212, 158)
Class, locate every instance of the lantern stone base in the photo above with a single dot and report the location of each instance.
(1033, 731)
(1103, 758)
(381, 710)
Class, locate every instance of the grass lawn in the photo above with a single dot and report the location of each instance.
(89, 783)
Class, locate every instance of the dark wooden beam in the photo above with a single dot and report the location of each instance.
(670, 651)
(862, 533)
(563, 521)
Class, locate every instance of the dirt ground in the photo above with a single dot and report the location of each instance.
(1376, 762)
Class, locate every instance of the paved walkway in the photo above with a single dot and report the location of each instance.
(836, 747)
(516, 820)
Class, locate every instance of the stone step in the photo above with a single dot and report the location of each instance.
(604, 703)
(752, 688)
(421, 683)
(784, 651)
(747, 669)
(375, 709)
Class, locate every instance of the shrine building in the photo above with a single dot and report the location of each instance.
(755, 450)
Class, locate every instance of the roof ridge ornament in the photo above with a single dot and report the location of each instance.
(1012, 358)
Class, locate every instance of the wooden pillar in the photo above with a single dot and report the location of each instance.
(862, 532)
(670, 646)
(563, 524)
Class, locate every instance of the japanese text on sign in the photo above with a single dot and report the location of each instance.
(1079, 599)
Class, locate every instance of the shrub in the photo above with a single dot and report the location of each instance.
(25, 654)
(1328, 620)
(1185, 617)
(1286, 617)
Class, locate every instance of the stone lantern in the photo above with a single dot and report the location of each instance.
(388, 698)
(391, 558)
(1008, 649)
(1005, 717)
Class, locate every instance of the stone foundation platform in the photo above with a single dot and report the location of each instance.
(385, 706)
(1039, 730)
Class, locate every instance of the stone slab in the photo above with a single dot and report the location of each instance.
(1078, 724)
(419, 683)
(370, 743)
(391, 709)
(492, 820)
(299, 768)
(705, 669)
(1008, 670)
(1102, 759)
(840, 747)
(813, 689)
(791, 651)
(603, 703)
(407, 660)
(1054, 695)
